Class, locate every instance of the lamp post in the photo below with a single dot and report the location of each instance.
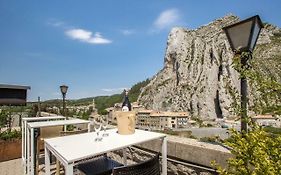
(242, 37)
(39, 107)
(63, 89)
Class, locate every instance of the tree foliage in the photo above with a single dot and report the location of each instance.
(255, 153)
(267, 89)
(6, 120)
(103, 102)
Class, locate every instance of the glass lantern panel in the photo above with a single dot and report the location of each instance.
(239, 35)
(255, 36)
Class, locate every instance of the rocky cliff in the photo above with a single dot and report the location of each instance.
(198, 76)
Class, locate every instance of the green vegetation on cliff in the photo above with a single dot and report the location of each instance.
(101, 102)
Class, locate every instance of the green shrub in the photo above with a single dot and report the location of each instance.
(213, 139)
(255, 153)
(10, 135)
(273, 130)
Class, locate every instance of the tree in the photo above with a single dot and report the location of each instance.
(255, 153)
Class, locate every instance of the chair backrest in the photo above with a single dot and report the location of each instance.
(49, 132)
(148, 167)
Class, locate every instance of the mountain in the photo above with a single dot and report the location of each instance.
(198, 76)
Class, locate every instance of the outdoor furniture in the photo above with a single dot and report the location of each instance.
(67, 133)
(24, 122)
(47, 132)
(148, 167)
(84, 146)
(101, 165)
(30, 137)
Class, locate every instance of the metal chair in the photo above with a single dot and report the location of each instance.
(101, 165)
(148, 167)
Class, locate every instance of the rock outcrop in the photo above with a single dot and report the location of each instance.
(198, 76)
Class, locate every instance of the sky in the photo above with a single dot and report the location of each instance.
(100, 47)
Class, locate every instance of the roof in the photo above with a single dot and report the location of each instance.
(7, 86)
(145, 111)
(263, 117)
(168, 114)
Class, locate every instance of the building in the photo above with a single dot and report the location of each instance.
(231, 122)
(170, 120)
(13, 94)
(143, 119)
(265, 120)
(161, 120)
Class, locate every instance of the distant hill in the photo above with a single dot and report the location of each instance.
(102, 102)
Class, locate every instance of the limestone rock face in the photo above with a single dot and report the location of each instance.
(198, 76)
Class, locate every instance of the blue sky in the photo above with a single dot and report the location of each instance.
(100, 47)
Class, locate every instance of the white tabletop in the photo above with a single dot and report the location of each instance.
(56, 123)
(77, 147)
(42, 118)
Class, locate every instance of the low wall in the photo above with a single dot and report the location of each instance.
(191, 150)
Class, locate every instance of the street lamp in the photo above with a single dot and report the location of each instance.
(63, 89)
(242, 37)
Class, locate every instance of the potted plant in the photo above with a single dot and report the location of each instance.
(10, 140)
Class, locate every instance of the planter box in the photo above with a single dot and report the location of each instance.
(10, 149)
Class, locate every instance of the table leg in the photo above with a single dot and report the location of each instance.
(124, 156)
(22, 142)
(64, 127)
(32, 151)
(164, 156)
(28, 151)
(25, 141)
(89, 127)
(47, 161)
(69, 169)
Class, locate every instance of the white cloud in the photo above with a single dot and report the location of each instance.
(167, 19)
(87, 36)
(127, 32)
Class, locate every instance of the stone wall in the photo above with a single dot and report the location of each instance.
(182, 152)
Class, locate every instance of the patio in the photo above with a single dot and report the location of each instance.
(194, 151)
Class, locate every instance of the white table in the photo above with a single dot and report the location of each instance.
(24, 122)
(69, 151)
(30, 137)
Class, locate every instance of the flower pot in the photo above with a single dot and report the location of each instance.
(126, 122)
(10, 149)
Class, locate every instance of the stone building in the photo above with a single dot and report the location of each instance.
(265, 120)
(161, 120)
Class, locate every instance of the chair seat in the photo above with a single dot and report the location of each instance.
(100, 166)
(148, 167)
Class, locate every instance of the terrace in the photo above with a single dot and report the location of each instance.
(184, 155)
(197, 156)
